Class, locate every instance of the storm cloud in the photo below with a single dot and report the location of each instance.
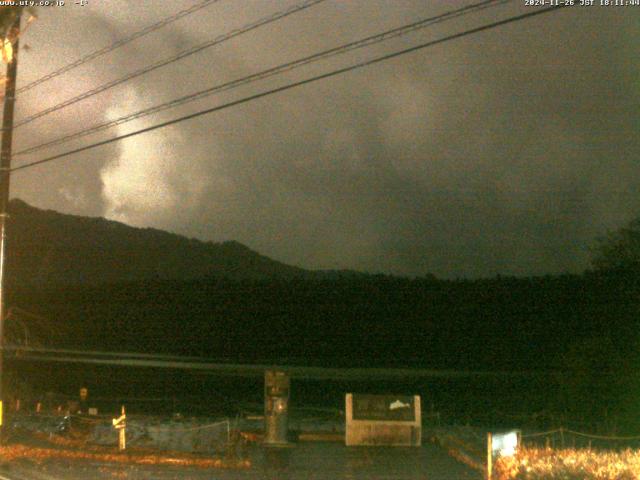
(505, 152)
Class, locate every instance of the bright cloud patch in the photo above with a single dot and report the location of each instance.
(153, 176)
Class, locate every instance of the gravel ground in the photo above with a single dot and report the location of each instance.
(305, 460)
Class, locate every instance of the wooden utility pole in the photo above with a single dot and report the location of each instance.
(5, 175)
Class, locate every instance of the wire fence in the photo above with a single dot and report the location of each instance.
(469, 445)
(561, 438)
(205, 433)
(182, 435)
(190, 436)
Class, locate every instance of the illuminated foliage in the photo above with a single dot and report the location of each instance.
(569, 464)
(15, 452)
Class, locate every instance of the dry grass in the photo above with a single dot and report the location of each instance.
(569, 464)
(39, 454)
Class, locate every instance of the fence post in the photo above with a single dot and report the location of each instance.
(120, 424)
(489, 456)
(122, 437)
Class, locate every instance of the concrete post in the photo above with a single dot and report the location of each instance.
(276, 407)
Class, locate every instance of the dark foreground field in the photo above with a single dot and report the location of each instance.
(306, 460)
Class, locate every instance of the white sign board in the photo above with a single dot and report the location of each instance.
(505, 444)
(392, 420)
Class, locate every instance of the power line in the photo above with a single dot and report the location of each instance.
(285, 67)
(247, 370)
(118, 43)
(293, 85)
(186, 53)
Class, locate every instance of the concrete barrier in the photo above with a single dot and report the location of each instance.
(391, 420)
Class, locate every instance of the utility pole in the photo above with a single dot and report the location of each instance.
(5, 174)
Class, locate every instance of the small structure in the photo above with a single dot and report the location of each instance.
(504, 444)
(276, 407)
(392, 420)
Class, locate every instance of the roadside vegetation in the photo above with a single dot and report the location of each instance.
(569, 464)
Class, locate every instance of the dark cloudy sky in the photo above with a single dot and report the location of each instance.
(506, 152)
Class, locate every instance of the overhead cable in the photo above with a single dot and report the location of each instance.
(118, 43)
(154, 66)
(282, 68)
(292, 85)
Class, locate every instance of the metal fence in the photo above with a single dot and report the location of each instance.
(200, 435)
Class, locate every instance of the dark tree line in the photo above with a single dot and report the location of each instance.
(579, 330)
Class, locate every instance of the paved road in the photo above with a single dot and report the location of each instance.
(304, 461)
